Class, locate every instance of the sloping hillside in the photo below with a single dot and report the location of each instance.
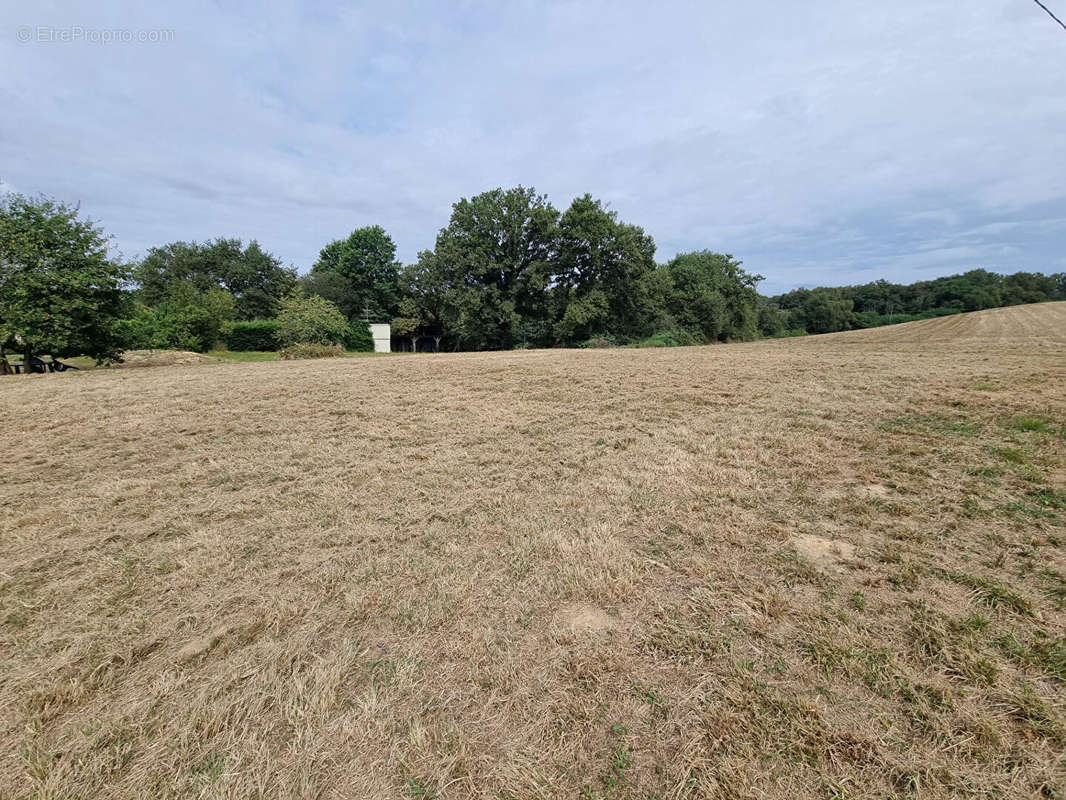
(1036, 325)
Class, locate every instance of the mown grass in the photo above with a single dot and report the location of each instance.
(250, 356)
(167, 357)
(244, 356)
(819, 567)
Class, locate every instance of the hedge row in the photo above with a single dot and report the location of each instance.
(264, 335)
(255, 334)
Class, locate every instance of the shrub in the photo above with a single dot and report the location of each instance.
(310, 350)
(144, 329)
(606, 340)
(675, 338)
(200, 325)
(254, 334)
(313, 319)
(190, 320)
(359, 338)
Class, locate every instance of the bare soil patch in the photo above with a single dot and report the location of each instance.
(584, 618)
(824, 553)
(876, 490)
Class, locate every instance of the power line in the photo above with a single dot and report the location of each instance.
(1048, 10)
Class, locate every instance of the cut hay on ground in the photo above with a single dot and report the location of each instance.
(161, 358)
(544, 574)
(1037, 326)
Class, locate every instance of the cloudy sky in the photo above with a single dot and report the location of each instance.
(821, 142)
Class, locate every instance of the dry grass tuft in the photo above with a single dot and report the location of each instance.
(537, 574)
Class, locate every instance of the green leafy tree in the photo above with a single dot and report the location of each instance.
(60, 293)
(1028, 287)
(189, 319)
(585, 316)
(410, 323)
(825, 311)
(143, 328)
(256, 279)
(199, 316)
(710, 295)
(427, 294)
(880, 297)
(490, 269)
(772, 320)
(310, 320)
(360, 274)
(337, 289)
(601, 274)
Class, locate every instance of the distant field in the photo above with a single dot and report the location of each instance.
(1029, 326)
(824, 567)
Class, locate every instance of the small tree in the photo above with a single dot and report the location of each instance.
(360, 274)
(310, 320)
(409, 324)
(59, 291)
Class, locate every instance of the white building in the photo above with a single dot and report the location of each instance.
(382, 333)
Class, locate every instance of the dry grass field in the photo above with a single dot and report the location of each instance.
(829, 567)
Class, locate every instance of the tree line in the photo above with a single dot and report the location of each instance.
(508, 270)
(831, 309)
